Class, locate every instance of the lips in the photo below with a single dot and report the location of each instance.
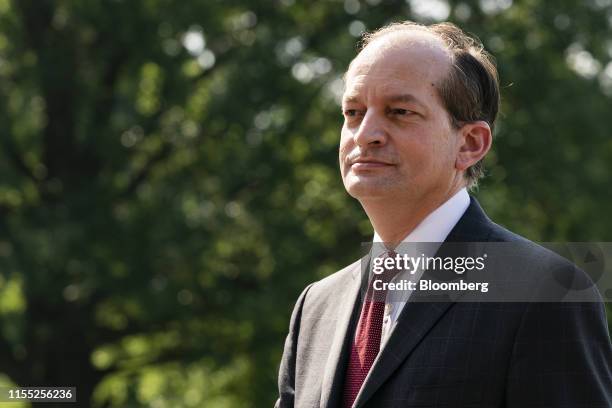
(369, 164)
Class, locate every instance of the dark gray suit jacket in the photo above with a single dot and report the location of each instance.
(451, 354)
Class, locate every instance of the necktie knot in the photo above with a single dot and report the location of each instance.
(377, 290)
(391, 268)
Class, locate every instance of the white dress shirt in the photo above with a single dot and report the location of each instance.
(434, 228)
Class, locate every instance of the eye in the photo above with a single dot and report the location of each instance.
(351, 112)
(399, 111)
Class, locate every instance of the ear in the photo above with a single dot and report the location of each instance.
(474, 143)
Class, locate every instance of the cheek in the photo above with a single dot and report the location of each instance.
(343, 150)
(427, 154)
(346, 142)
(443, 145)
(416, 153)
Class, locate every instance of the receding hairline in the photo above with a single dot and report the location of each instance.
(398, 40)
(398, 37)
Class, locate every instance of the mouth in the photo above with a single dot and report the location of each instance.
(369, 164)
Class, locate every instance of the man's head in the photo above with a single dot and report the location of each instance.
(420, 104)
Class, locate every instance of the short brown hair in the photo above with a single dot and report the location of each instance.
(470, 92)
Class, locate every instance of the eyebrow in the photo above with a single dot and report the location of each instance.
(407, 98)
(350, 99)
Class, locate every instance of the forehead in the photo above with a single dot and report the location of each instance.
(414, 59)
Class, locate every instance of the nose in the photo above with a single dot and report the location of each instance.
(371, 131)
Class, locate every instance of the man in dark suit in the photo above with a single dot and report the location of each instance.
(419, 106)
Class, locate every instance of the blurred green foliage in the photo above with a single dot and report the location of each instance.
(168, 176)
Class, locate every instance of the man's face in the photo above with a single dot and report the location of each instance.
(397, 140)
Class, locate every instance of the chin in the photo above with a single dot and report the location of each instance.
(362, 190)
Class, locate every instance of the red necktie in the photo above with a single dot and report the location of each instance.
(366, 344)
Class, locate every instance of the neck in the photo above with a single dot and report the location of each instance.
(394, 219)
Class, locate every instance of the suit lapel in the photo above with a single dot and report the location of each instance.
(348, 313)
(418, 317)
